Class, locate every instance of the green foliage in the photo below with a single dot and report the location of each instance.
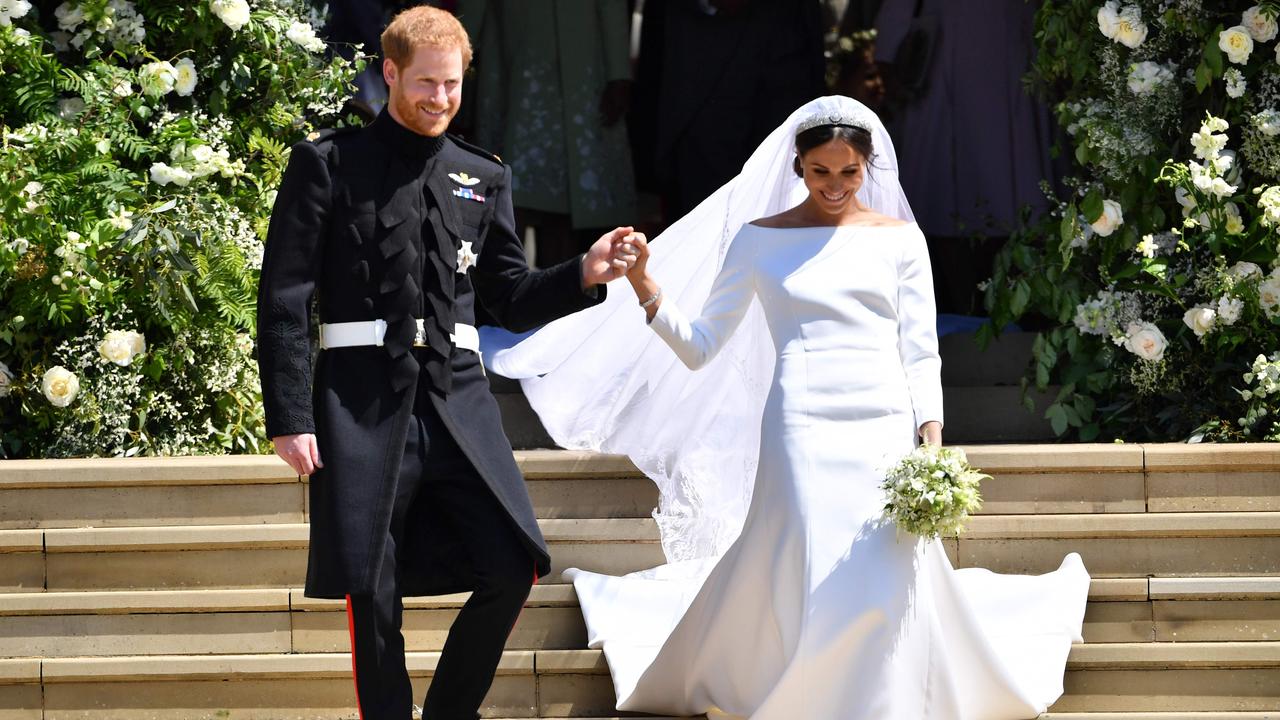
(141, 145)
(1141, 276)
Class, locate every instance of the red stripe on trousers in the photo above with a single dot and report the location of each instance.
(351, 628)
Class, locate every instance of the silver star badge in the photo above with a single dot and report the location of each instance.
(466, 257)
(464, 179)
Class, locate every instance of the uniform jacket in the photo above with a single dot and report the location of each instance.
(355, 208)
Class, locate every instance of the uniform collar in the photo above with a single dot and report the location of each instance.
(404, 140)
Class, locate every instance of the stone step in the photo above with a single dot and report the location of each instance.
(281, 620)
(260, 556)
(1122, 677)
(239, 490)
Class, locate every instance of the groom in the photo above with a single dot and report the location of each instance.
(397, 229)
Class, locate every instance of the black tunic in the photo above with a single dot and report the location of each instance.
(369, 223)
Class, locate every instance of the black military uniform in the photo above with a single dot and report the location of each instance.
(420, 493)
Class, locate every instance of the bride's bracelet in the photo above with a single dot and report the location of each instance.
(652, 299)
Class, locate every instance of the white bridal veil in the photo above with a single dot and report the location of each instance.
(601, 380)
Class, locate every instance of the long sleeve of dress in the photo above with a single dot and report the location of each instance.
(697, 342)
(918, 330)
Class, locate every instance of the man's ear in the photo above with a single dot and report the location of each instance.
(389, 72)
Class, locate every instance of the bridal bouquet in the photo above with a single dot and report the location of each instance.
(932, 491)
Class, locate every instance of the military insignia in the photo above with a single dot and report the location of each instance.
(466, 257)
(464, 179)
(468, 194)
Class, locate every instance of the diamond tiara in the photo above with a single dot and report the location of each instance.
(858, 121)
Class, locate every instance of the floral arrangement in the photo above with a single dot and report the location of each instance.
(1155, 278)
(932, 491)
(141, 142)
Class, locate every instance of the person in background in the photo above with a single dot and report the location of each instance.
(714, 78)
(973, 141)
(552, 89)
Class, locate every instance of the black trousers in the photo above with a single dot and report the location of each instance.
(503, 572)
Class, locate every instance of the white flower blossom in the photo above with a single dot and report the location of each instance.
(1200, 319)
(1229, 309)
(121, 220)
(1145, 76)
(233, 13)
(1236, 43)
(303, 35)
(1109, 19)
(61, 40)
(1147, 246)
(1244, 270)
(69, 16)
(1235, 82)
(1112, 217)
(184, 77)
(1269, 295)
(11, 10)
(6, 380)
(1234, 221)
(157, 78)
(163, 174)
(1269, 203)
(122, 88)
(1268, 122)
(1261, 26)
(60, 386)
(1130, 30)
(1145, 340)
(1207, 145)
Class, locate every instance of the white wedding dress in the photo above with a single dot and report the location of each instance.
(784, 596)
(819, 610)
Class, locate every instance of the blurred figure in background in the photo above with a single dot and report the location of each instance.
(971, 140)
(714, 77)
(551, 92)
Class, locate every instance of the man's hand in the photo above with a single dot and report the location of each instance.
(931, 433)
(300, 451)
(607, 260)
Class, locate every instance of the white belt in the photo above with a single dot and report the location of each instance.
(372, 332)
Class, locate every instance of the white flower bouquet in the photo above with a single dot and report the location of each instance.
(932, 491)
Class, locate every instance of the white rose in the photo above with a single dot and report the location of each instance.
(1229, 309)
(1269, 296)
(1109, 19)
(60, 386)
(233, 13)
(69, 16)
(116, 347)
(1261, 27)
(184, 77)
(202, 154)
(1112, 217)
(1200, 319)
(137, 342)
(1236, 43)
(1244, 270)
(1145, 340)
(156, 78)
(303, 35)
(6, 380)
(1130, 30)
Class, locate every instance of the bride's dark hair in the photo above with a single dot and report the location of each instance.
(856, 137)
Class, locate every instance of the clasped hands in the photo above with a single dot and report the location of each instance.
(615, 254)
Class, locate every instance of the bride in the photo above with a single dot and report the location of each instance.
(786, 595)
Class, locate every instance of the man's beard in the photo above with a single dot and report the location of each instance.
(419, 123)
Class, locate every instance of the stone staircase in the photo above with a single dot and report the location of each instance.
(168, 588)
